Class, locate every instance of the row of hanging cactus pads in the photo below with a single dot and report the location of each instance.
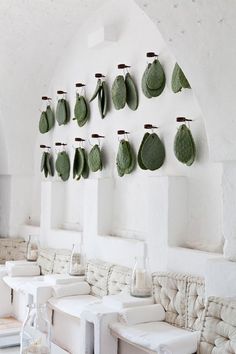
(151, 153)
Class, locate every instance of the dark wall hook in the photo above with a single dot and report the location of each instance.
(79, 139)
(79, 84)
(44, 147)
(150, 126)
(99, 75)
(60, 92)
(97, 136)
(121, 132)
(60, 144)
(151, 55)
(123, 66)
(46, 98)
(183, 119)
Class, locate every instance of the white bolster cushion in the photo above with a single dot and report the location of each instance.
(142, 314)
(24, 270)
(80, 288)
(187, 343)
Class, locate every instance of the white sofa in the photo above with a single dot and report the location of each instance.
(181, 295)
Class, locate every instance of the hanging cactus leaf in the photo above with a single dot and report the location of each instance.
(183, 80)
(131, 92)
(184, 146)
(63, 165)
(67, 111)
(144, 84)
(80, 110)
(50, 117)
(153, 152)
(101, 101)
(61, 112)
(105, 99)
(95, 159)
(118, 92)
(75, 163)
(155, 76)
(80, 162)
(140, 162)
(85, 172)
(123, 158)
(43, 123)
(97, 89)
(178, 80)
(43, 159)
(49, 164)
(133, 160)
(175, 81)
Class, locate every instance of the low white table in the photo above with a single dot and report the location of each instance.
(95, 321)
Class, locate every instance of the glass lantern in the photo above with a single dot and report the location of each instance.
(77, 264)
(32, 249)
(35, 333)
(141, 281)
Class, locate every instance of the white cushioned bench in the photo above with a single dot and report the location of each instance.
(182, 297)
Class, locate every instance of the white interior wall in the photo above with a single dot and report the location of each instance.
(129, 203)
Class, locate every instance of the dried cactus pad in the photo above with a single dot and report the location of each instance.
(61, 111)
(131, 92)
(123, 155)
(153, 80)
(153, 152)
(43, 123)
(184, 146)
(140, 162)
(97, 89)
(155, 75)
(80, 110)
(63, 165)
(144, 84)
(118, 92)
(47, 164)
(50, 117)
(95, 159)
(178, 80)
(125, 159)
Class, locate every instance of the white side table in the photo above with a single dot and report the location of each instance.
(95, 321)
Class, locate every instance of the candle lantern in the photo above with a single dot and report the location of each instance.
(77, 264)
(32, 249)
(35, 333)
(141, 281)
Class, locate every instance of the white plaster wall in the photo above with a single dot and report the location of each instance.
(129, 206)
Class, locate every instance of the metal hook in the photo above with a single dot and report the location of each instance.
(62, 145)
(61, 92)
(150, 126)
(99, 76)
(79, 85)
(124, 133)
(98, 137)
(80, 141)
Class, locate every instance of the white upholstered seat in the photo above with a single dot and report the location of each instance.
(72, 305)
(158, 337)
